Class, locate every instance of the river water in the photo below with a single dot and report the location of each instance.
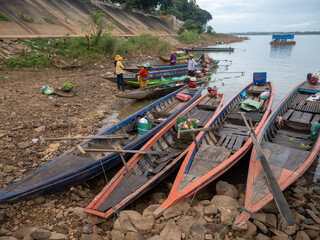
(286, 67)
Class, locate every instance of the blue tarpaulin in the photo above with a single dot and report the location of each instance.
(282, 36)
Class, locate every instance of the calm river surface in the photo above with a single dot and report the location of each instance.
(286, 66)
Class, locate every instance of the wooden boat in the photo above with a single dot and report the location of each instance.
(206, 49)
(73, 167)
(156, 91)
(145, 171)
(167, 59)
(159, 68)
(154, 82)
(286, 145)
(283, 39)
(220, 147)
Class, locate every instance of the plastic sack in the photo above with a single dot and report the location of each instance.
(264, 95)
(250, 105)
(243, 95)
(179, 78)
(46, 90)
(314, 130)
(182, 122)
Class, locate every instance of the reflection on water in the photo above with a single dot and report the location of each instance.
(281, 51)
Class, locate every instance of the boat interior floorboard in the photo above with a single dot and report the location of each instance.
(129, 183)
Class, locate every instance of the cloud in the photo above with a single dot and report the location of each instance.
(263, 15)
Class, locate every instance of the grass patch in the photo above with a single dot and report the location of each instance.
(29, 60)
(3, 17)
(26, 18)
(188, 37)
(49, 20)
(87, 51)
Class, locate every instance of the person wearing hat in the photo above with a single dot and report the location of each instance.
(191, 65)
(143, 75)
(119, 72)
(173, 59)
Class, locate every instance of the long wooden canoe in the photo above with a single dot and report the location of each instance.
(145, 171)
(167, 59)
(156, 91)
(153, 82)
(73, 167)
(286, 145)
(221, 147)
(207, 49)
(159, 68)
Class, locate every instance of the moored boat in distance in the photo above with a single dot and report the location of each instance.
(289, 147)
(283, 39)
(73, 166)
(207, 49)
(223, 144)
(145, 171)
(167, 59)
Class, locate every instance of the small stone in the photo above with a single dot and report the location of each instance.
(185, 223)
(57, 236)
(23, 145)
(92, 236)
(40, 129)
(221, 201)
(150, 209)
(251, 230)
(94, 220)
(224, 188)
(171, 212)
(301, 235)
(40, 200)
(309, 221)
(210, 210)
(197, 211)
(41, 234)
(261, 226)
(260, 236)
(198, 229)
(171, 231)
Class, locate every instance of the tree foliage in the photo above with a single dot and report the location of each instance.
(182, 9)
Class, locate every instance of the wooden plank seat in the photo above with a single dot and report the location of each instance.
(209, 103)
(258, 89)
(232, 141)
(203, 116)
(167, 110)
(254, 115)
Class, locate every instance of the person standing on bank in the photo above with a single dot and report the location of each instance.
(191, 65)
(143, 75)
(173, 59)
(119, 72)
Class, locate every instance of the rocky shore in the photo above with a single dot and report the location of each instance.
(194, 219)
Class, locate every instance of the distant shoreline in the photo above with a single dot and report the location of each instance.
(270, 33)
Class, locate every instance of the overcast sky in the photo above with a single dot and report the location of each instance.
(263, 15)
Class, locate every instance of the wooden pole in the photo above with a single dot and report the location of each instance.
(272, 182)
(119, 136)
(122, 158)
(192, 135)
(160, 153)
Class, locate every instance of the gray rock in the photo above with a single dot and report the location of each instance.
(313, 216)
(157, 237)
(57, 236)
(8, 238)
(312, 233)
(279, 234)
(198, 229)
(185, 223)
(210, 210)
(269, 220)
(171, 231)
(132, 236)
(92, 236)
(301, 235)
(41, 234)
(227, 215)
(260, 236)
(23, 145)
(261, 226)
(309, 221)
(221, 201)
(150, 209)
(158, 196)
(40, 200)
(24, 231)
(224, 188)
(79, 211)
(171, 212)
(217, 228)
(283, 226)
(184, 206)
(251, 230)
(3, 217)
(141, 222)
(300, 210)
(118, 235)
(3, 232)
(197, 211)
(95, 220)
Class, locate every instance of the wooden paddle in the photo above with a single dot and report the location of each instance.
(272, 182)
